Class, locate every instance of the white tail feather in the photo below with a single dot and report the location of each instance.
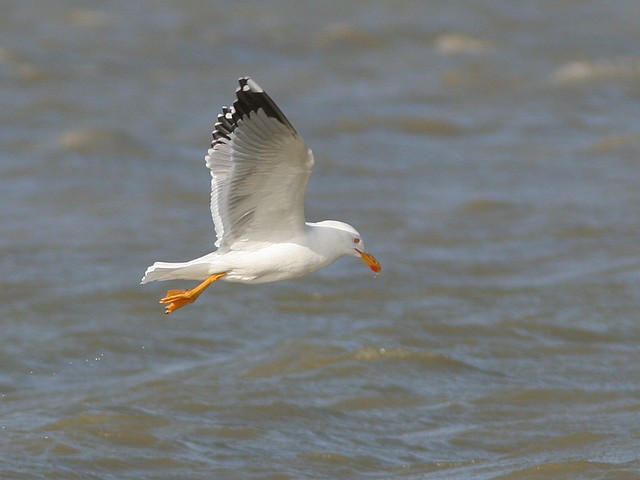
(160, 271)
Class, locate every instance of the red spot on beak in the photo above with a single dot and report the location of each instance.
(370, 261)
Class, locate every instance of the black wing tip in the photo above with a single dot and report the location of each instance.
(249, 84)
(250, 97)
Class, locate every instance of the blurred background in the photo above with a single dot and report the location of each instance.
(488, 153)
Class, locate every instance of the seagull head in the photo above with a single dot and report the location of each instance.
(351, 243)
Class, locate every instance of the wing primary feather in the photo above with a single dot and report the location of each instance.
(250, 98)
(259, 167)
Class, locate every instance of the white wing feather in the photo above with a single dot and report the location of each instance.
(259, 168)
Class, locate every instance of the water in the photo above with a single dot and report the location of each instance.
(487, 151)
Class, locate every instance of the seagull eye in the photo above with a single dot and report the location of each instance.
(356, 240)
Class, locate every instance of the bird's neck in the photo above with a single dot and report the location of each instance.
(323, 239)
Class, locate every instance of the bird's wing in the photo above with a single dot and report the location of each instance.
(259, 171)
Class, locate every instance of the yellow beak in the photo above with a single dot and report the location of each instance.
(370, 260)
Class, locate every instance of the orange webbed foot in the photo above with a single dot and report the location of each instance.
(179, 298)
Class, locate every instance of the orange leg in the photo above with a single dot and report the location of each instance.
(179, 298)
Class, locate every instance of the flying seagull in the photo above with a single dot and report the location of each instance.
(259, 172)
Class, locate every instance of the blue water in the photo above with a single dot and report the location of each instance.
(487, 152)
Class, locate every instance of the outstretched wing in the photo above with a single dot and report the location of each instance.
(259, 171)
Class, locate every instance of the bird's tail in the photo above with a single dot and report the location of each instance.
(176, 271)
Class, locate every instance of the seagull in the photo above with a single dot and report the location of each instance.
(259, 171)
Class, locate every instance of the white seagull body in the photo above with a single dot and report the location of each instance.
(259, 172)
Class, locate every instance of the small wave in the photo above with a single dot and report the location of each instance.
(101, 140)
(305, 358)
(615, 142)
(567, 469)
(479, 205)
(341, 35)
(456, 43)
(371, 354)
(583, 71)
(118, 428)
(90, 18)
(403, 124)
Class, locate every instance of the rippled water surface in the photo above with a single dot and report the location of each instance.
(487, 151)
